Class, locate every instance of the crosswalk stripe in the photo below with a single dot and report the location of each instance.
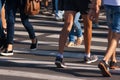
(49, 63)
(40, 75)
(35, 75)
(53, 53)
(94, 47)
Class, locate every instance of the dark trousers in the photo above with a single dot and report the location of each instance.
(11, 8)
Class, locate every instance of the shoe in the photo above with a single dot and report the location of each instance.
(58, 19)
(59, 62)
(7, 53)
(79, 41)
(90, 59)
(113, 65)
(104, 69)
(34, 45)
(70, 44)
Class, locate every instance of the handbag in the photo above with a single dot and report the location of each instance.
(32, 7)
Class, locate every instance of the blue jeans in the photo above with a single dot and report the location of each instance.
(11, 9)
(76, 28)
(2, 35)
(113, 17)
(58, 13)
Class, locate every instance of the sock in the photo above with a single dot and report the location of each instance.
(60, 55)
(87, 55)
(106, 61)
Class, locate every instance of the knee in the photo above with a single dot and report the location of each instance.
(68, 26)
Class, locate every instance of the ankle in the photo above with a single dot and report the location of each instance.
(105, 61)
(34, 40)
(10, 47)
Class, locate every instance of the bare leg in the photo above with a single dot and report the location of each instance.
(69, 17)
(45, 3)
(87, 33)
(112, 46)
(113, 57)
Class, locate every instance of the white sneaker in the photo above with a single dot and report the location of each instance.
(6, 53)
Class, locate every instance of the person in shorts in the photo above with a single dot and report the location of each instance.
(113, 19)
(70, 8)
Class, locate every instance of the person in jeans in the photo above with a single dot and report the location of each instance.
(11, 7)
(2, 34)
(71, 7)
(75, 31)
(113, 19)
(58, 8)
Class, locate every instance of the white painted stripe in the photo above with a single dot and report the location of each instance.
(56, 36)
(49, 63)
(53, 53)
(35, 75)
(100, 32)
(93, 38)
(59, 28)
(41, 75)
(25, 33)
(81, 46)
(45, 64)
(41, 27)
(35, 20)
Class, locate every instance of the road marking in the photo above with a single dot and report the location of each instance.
(49, 63)
(35, 75)
(46, 63)
(47, 76)
(53, 53)
(53, 43)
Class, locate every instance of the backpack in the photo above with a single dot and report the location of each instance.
(32, 7)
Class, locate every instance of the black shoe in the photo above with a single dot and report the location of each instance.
(59, 62)
(104, 69)
(113, 65)
(7, 53)
(90, 59)
(34, 45)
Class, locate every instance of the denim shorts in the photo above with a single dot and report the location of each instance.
(113, 17)
(77, 5)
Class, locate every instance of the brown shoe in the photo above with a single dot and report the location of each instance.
(70, 44)
(79, 41)
(104, 69)
(113, 65)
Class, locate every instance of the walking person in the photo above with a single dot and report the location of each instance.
(76, 31)
(58, 9)
(11, 7)
(2, 34)
(113, 19)
(71, 7)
